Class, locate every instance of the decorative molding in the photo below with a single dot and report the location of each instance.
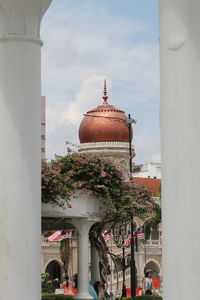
(21, 38)
(51, 259)
(16, 20)
(103, 144)
(112, 148)
(21, 19)
(155, 262)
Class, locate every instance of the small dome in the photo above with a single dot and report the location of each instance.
(105, 123)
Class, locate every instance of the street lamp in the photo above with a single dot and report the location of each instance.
(119, 235)
(129, 122)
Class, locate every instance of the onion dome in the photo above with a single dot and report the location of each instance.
(105, 123)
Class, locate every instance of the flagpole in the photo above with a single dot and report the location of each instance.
(136, 242)
(145, 249)
(129, 122)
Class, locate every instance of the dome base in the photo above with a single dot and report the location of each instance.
(106, 148)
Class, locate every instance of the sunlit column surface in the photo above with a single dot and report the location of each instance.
(180, 126)
(20, 90)
(83, 226)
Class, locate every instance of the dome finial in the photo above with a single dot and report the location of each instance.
(105, 97)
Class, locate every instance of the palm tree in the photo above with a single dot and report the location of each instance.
(65, 254)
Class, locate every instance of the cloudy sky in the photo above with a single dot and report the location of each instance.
(86, 41)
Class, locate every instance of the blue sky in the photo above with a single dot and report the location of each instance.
(86, 41)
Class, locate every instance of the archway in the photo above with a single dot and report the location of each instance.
(54, 270)
(154, 267)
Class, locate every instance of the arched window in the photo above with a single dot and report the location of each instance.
(154, 267)
(54, 270)
(155, 235)
(118, 264)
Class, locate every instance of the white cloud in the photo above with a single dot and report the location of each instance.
(82, 47)
(55, 116)
(65, 113)
(147, 147)
(81, 42)
(88, 97)
(156, 157)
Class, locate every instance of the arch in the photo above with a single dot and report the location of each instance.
(138, 221)
(54, 268)
(153, 265)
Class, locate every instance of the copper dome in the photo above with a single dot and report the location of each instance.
(105, 123)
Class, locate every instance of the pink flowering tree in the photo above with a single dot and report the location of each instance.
(98, 176)
(54, 189)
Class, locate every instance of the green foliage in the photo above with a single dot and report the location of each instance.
(153, 222)
(56, 296)
(145, 297)
(48, 285)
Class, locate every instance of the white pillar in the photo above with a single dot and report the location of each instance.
(95, 276)
(83, 226)
(180, 134)
(20, 92)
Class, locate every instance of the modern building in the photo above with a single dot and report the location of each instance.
(147, 170)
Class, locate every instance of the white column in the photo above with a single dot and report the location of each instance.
(83, 226)
(180, 134)
(94, 265)
(20, 92)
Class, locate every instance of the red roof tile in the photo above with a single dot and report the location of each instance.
(152, 184)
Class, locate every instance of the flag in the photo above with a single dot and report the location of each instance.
(140, 233)
(140, 236)
(127, 241)
(107, 235)
(60, 235)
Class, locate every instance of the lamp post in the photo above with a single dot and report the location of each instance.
(129, 122)
(119, 234)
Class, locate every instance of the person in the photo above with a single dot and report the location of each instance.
(67, 286)
(92, 291)
(75, 283)
(75, 280)
(147, 282)
(97, 287)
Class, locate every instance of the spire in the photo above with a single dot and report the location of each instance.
(105, 97)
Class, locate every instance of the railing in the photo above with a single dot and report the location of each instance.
(46, 242)
(153, 244)
(119, 275)
(103, 144)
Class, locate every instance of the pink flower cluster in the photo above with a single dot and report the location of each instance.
(103, 174)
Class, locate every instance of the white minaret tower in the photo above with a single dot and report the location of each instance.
(20, 154)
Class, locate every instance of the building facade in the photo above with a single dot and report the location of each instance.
(104, 131)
